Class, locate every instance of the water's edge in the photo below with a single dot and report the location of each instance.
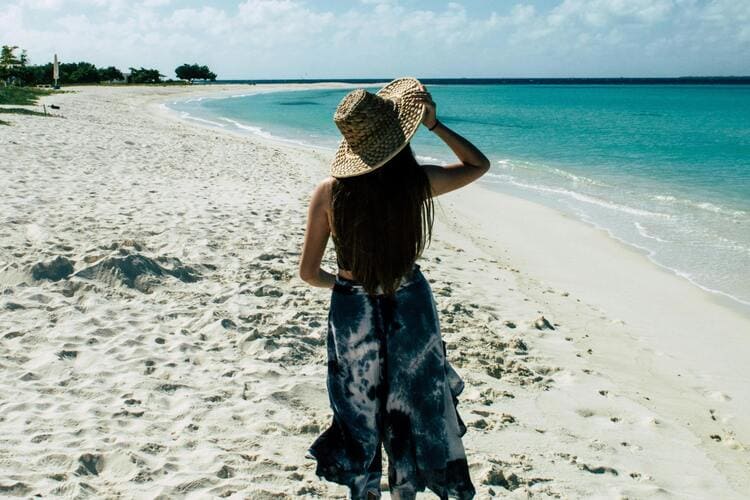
(234, 126)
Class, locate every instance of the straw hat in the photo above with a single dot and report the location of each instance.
(375, 126)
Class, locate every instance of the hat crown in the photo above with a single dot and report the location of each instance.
(360, 114)
(376, 126)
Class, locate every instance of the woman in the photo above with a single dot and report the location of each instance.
(388, 379)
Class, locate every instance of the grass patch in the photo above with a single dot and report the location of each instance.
(107, 84)
(23, 96)
(22, 111)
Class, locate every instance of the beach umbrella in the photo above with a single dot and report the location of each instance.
(56, 71)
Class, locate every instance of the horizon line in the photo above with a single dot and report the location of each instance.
(521, 80)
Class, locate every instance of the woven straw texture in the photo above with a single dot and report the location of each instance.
(375, 126)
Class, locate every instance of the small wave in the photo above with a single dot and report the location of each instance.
(430, 159)
(267, 135)
(692, 280)
(702, 205)
(505, 163)
(250, 128)
(577, 178)
(662, 197)
(651, 254)
(581, 197)
(508, 164)
(187, 116)
(733, 245)
(642, 231)
(719, 209)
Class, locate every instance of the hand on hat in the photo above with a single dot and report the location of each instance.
(429, 118)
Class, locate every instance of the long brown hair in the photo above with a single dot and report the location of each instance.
(382, 221)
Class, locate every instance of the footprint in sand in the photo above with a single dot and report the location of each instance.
(15, 489)
(268, 291)
(225, 472)
(718, 396)
(601, 469)
(67, 354)
(89, 464)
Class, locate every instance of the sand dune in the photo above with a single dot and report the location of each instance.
(157, 343)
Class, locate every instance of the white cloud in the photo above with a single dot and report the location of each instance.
(207, 20)
(294, 38)
(600, 13)
(281, 21)
(42, 4)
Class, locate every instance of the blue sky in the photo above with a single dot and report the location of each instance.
(386, 38)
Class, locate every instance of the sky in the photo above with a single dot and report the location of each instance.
(259, 39)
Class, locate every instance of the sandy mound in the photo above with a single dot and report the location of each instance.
(55, 270)
(138, 271)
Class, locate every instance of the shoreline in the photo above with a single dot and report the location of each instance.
(471, 201)
(727, 299)
(217, 387)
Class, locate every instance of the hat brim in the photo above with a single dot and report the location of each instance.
(390, 141)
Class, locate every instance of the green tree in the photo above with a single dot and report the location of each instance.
(110, 74)
(43, 74)
(84, 72)
(143, 75)
(9, 63)
(192, 72)
(36, 74)
(8, 55)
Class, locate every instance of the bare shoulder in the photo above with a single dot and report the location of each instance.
(322, 193)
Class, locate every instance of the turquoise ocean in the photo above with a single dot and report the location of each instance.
(663, 168)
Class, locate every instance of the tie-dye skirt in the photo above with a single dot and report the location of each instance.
(389, 383)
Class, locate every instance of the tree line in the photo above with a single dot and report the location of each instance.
(15, 69)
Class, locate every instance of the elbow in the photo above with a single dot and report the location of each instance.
(306, 275)
(485, 164)
(482, 164)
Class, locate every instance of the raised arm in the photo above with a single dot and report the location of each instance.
(473, 164)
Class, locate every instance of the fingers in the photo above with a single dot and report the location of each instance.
(423, 97)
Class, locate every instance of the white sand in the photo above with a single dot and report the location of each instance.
(216, 387)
